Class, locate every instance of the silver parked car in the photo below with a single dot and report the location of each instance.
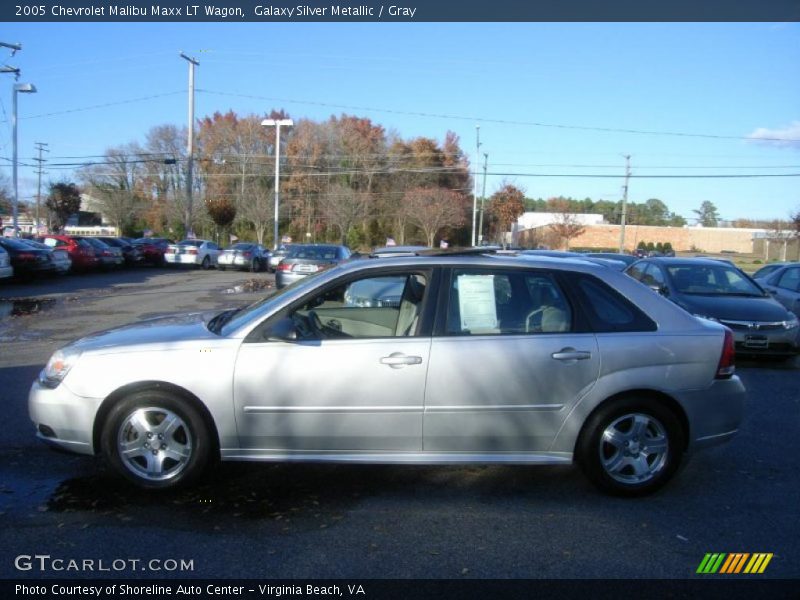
(481, 359)
(784, 285)
(61, 259)
(303, 260)
(6, 270)
(244, 255)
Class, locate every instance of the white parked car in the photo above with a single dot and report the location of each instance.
(201, 253)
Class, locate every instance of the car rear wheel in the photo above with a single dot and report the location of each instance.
(156, 440)
(631, 447)
(254, 265)
(221, 267)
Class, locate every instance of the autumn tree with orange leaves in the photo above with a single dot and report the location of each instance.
(506, 205)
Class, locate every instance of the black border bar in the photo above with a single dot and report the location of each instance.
(401, 11)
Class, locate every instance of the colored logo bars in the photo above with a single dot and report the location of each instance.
(729, 564)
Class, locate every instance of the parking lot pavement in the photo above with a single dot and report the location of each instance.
(284, 521)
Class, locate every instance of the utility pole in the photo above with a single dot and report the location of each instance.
(8, 69)
(483, 197)
(190, 146)
(475, 192)
(41, 147)
(624, 204)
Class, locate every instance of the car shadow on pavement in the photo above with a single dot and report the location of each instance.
(306, 495)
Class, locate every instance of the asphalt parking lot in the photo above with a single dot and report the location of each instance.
(356, 521)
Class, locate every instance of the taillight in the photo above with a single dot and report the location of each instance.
(248, 254)
(26, 256)
(284, 267)
(727, 363)
(191, 251)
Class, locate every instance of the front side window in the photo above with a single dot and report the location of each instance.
(371, 307)
(506, 303)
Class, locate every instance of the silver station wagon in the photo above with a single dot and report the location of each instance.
(458, 358)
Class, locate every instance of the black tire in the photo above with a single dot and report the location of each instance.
(221, 267)
(634, 426)
(206, 265)
(138, 421)
(254, 265)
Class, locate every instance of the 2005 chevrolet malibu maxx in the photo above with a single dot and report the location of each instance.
(459, 358)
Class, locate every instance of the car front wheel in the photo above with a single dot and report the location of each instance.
(631, 447)
(156, 440)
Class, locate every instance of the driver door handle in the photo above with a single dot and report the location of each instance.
(398, 360)
(570, 354)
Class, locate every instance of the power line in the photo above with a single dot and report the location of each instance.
(499, 121)
(104, 105)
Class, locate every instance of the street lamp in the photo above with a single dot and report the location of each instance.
(25, 88)
(277, 123)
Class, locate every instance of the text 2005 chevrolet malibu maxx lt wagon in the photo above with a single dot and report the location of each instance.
(435, 359)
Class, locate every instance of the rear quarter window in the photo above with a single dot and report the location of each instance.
(607, 310)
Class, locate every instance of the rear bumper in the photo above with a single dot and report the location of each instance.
(715, 413)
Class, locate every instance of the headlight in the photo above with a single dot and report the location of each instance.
(791, 324)
(58, 366)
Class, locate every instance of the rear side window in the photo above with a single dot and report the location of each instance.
(506, 303)
(608, 310)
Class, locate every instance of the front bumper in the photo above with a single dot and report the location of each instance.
(774, 343)
(63, 419)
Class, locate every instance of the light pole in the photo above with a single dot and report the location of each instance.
(277, 123)
(25, 88)
(475, 192)
(190, 146)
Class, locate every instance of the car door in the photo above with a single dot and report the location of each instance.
(509, 359)
(353, 382)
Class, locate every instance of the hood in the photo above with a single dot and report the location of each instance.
(161, 331)
(734, 308)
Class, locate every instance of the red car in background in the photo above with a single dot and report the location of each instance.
(83, 255)
(153, 249)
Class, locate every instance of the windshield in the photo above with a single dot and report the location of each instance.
(721, 280)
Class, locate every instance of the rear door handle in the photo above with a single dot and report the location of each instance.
(398, 360)
(570, 354)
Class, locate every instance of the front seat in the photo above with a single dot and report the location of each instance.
(410, 303)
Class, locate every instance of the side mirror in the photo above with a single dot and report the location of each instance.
(660, 289)
(283, 330)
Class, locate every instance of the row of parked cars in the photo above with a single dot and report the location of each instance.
(55, 253)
